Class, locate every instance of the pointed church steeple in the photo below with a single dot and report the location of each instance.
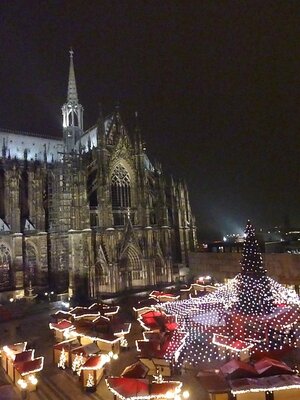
(137, 134)
(100, 129)
(72, 112)
(72, 89)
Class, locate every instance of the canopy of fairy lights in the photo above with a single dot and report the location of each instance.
(251, 313)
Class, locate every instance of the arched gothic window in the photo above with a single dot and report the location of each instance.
(5, 263)
(120, 188)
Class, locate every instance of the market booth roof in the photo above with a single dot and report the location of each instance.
(231, 343)
(272, 383)
(213, 382)
(96, 362)
(86, 350)
(13, 349)
(105, 309)
(145, 303)
(26, 355)
(136, 370)
(236, 369)
(269, 366)
(61, 325)
(67, 345)
(127, 388)
(130, 388)
(30, 367)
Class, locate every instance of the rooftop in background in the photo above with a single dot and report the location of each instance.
(272, 240)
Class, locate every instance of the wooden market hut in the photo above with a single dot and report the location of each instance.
(136, 370)
(277, 387)
(92, 371)
(9, 352)
(21, 365)
(61, 328)
(132, 388)
(26, 371)
(66, 346)
(85, 351)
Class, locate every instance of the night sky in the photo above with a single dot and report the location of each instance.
(216, 84)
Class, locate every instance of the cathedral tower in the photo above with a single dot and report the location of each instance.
(72, 112)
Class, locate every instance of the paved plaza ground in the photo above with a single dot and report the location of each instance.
(63, 385)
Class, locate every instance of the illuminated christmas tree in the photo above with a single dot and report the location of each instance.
(77, 363)
(241, 309)
(90, 381)
(254, 290)
(62, 360)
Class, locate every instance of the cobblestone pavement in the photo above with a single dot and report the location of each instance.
(63, 385)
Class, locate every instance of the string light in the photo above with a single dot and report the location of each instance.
(252, 308)
(62, 359)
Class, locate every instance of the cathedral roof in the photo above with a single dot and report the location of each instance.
(36, 146)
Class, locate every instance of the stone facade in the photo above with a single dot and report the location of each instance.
(88, 213)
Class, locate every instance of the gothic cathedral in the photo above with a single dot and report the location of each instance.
(88, 213)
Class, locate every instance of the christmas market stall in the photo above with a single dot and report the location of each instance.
(122, 331)
(196, 290)
(106, 342)
(81, 354)
(232, 347)
(95, 310)
(100, 323)
(241, 381)
(215, 385)
(136, 370)
(163, 297)
(235, 369)
(157, 321)
(92, 371)
(134, 389)
(8, 354)
(277, 387)
(108, 310)
(268, 366)
(61, 329)
(265, 380)
(62, 352)
(156, 351)
(25, 373)
(143, 306)
(60, 315)
(21, 365)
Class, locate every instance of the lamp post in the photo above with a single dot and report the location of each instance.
(48, 295)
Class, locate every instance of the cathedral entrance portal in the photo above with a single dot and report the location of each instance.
(131, 269)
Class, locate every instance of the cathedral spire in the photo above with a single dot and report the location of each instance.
(72, 89)
(72, 113)
(137, 134)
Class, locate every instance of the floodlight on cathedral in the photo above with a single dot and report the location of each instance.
(251, 314)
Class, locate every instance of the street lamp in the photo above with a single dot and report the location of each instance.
(49, 294)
